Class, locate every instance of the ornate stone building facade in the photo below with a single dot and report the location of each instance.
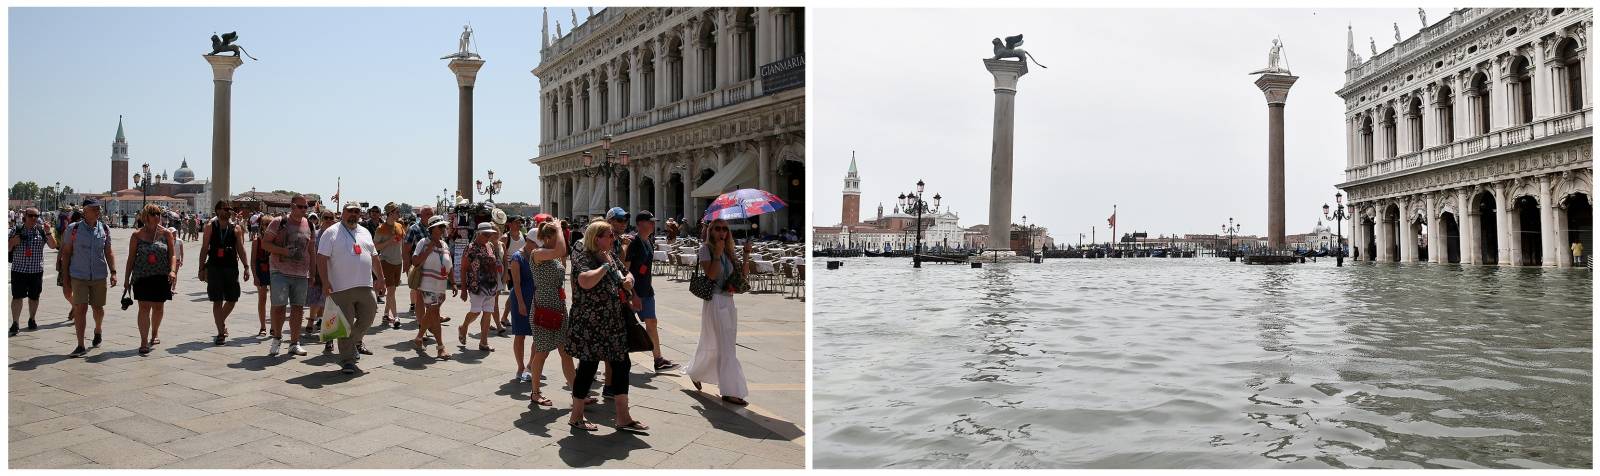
(1472, 141)
(688, 103)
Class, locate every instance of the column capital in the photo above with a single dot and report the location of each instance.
(466, 70)
(1276, 87)
(222, 66)
(1006, 73)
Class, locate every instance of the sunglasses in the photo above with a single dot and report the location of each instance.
(31, 216)
(301, 206)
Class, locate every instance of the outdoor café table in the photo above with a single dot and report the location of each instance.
(764, 266)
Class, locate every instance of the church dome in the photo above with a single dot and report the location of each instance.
(183, 175)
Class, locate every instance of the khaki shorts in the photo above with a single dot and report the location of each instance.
(89, 292)
(391, 274)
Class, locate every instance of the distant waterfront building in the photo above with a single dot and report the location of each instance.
(704, 100)
(119, 159)
(179, 192)
(1472, 141)
(896, 230)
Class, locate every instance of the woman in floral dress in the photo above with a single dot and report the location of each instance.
(597, 330)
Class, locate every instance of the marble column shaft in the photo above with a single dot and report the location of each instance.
(1006, 75)
(466, 72)
(222, 68)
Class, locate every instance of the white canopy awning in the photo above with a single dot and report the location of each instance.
(740, 173)
(580, 198)
(597, 199)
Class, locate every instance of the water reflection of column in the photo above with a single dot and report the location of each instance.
(999, 323)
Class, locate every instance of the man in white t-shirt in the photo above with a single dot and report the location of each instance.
(347, 261)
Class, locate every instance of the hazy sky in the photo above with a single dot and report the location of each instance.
(357, 93)
(1148, 109)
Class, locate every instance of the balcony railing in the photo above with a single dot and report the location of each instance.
(1485, 143)
(728, 95)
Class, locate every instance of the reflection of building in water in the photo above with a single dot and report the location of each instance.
(1476, 136)
(895, 230)
(703, 100)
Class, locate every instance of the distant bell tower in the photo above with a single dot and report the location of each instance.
(852, 195)
(119, 160)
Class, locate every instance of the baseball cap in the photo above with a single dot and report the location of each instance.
(645, 215)
(541, 218)
(90, 202)
(352, 206)
(616, 213)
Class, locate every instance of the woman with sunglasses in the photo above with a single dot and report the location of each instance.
(598, 332)
(152, 272)
(26, 244)
(715, 358)
(432, 258)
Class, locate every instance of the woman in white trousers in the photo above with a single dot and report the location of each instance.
(716, 360)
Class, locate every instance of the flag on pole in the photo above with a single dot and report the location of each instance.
(1113, 220)
(337, 182)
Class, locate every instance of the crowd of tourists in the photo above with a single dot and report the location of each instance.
(571, 292)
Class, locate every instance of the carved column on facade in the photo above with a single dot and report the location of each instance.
(1430, 112)
(633, 190)
(1437, 248)
(1501, 109)
(573, 116)
(1461, 83)
(663, 73)
(635, 82)
(1563, 235)
(1466, 222)
(660, 189)
(1545, 81)
(763, 148)
(1549, 245)
(592, 109)
(1402, 128)
(725, 43)
(693, 77)
(1408, 231)
(613, 93)
(1502, 217)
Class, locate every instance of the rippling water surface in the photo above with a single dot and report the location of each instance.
(1183, 363)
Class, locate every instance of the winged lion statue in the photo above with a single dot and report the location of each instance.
(225, 44)
(1012, 49)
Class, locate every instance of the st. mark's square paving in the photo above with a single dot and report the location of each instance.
(192, 402)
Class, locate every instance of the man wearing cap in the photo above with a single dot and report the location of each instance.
(26, 248)
(348, 264)
(639, 259)
(90, 263)
(221, 255)
(288, 241)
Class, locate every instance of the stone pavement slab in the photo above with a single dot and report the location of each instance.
(192, 404)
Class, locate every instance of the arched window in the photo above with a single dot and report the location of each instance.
(708, 58)
(747, 43)
(1366, 140)
(603, 88)
(647, 67)
(624, 90)
(1390, 145)
(1572, 75)
(675, 68)
(1480, 104)
(1414, 123)
(1446, 104)
(1522, 90)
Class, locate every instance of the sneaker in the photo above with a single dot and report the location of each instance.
(664, 364)
(327, 347)
(96, 341)
(294, 349)
(349, 368)
(32, 326)
(362, 349)
(273, 351)
(78, 352)
(13, 329)
(524, 377)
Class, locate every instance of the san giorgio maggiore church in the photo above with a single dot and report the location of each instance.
(1472, 141)
(893, 231)
(179, 191)
(665, 108)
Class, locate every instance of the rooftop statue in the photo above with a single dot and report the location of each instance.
(1012, 49)
(225, 44)
(463, 51)
(1274, 60)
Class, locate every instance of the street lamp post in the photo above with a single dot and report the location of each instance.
(608, 164)
(1337, 216)
(913, 202)
(1230, 229)
(491, 188)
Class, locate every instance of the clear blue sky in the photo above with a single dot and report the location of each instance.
(358, 93)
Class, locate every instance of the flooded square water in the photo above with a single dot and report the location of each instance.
(1201, 363)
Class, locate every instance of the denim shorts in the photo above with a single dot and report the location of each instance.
(647, 308)
(288, 290)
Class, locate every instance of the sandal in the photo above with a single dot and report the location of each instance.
(417, 344)
(540, 400)
(634, 427)
(155, 341)
(144, 351)
(696, 385)
(735, 400)
(220, 339)
(262, 332)
(442, 354)
(485, 348)
(463, 334)
(583, 425)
